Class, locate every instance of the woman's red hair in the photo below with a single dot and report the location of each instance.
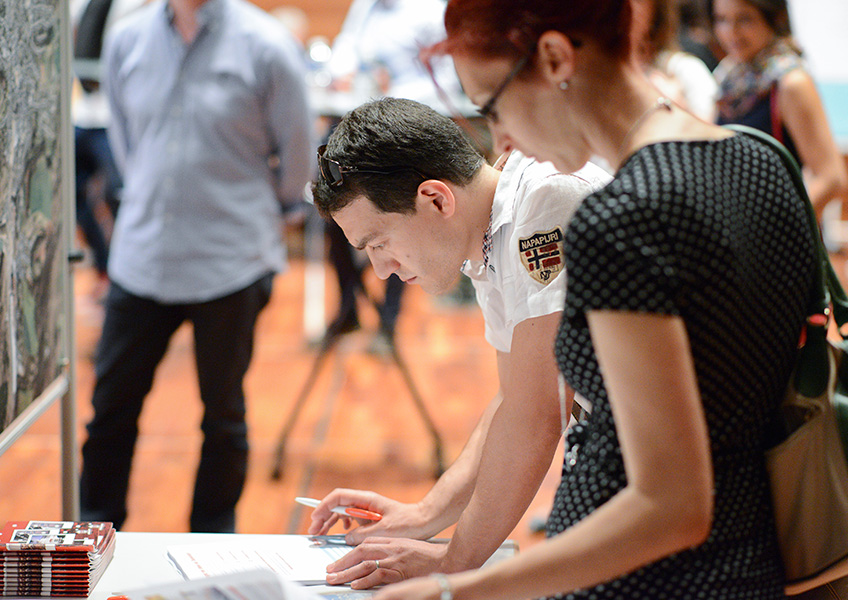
(509, 28)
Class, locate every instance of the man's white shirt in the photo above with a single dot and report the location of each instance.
(525, 276)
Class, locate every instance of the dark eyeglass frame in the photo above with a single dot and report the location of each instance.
(335, 176)
(457, 115)
(482, 145)
(487, 110)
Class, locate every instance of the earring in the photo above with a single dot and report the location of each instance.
(563, 85)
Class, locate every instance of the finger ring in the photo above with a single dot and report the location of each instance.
(376, 564)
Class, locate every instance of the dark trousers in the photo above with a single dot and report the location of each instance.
(93, 157)
(136, 332)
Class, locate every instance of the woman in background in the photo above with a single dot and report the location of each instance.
(764, 84)
(688, 278)
(678, 75)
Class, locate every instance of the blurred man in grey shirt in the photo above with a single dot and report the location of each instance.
(211, 130)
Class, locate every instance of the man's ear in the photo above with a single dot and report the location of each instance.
(556, 56)
(436, 195)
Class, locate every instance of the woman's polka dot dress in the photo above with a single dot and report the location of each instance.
(713, 232)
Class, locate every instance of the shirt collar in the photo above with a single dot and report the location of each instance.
(507, 189)
(208, 15)
(502, 211)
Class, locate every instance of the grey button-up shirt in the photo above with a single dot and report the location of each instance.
(210, 136)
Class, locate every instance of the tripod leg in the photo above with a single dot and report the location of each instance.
(422, 409)
(326, 347)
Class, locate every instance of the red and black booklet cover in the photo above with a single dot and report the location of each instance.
(53, 558)
(54, 536)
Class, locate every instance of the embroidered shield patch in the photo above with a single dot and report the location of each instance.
(542, 255)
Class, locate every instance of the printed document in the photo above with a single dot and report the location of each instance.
(297, 558)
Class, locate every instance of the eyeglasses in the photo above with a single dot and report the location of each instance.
(333, 172)
(458, 117)
(487, 111)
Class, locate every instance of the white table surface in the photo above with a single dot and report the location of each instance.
(141, 559)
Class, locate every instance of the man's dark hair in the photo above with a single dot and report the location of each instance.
(405, 137)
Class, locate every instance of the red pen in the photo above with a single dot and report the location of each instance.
(348, 511)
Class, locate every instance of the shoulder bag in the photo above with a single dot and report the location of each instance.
(808, 469)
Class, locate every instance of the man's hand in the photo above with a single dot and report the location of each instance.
(399, 519)
(380, 560)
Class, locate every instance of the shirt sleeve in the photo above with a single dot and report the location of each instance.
(117, 131)
(621, 256)
(551, 201)
(290, 122)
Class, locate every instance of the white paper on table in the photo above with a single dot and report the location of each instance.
(294, 557)
(245, 585)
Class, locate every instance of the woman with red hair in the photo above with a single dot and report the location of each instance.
(688, 284)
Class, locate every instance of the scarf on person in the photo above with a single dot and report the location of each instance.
(742, 85)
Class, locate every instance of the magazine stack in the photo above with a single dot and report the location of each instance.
(54, 558)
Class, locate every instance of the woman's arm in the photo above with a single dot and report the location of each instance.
(667, 504)
(803, 113)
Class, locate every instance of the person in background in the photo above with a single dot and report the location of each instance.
(695, 34)
(407, 186)
(689, 278)
(678, 75)
(765, 84)
(377, 49)
(211, 129)
(94, 164)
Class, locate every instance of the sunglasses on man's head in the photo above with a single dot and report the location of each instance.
(333, 172)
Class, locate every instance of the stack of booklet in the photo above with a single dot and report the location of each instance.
(53, 558)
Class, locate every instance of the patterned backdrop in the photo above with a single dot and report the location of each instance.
(31, 208)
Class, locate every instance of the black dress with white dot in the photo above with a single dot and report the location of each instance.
(713, 232)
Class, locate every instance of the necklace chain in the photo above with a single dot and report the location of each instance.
(661, 102)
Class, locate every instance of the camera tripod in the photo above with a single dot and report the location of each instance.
(326, 348)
